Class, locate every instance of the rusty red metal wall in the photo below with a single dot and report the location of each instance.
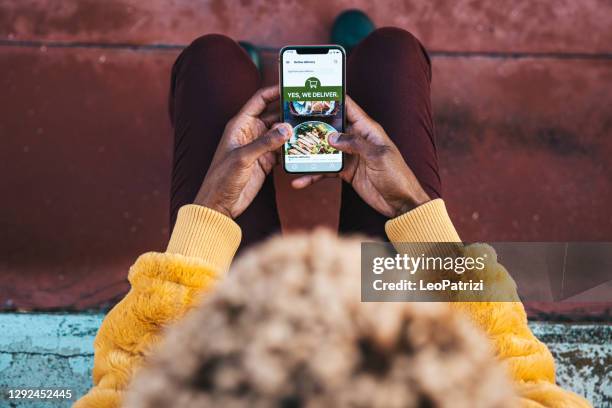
(521, 91)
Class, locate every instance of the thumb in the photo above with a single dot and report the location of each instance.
(270, 141)
(348, 143)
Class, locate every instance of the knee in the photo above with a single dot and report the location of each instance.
(396, 45)
(212, 44)
(217, 53)
(392, 40)
(395, 34)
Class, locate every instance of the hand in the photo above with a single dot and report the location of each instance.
(373, 165)
(244, 157)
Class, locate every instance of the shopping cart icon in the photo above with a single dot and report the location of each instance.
(313, 83)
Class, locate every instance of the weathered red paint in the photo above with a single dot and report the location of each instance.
(466, 25)
(85, 157)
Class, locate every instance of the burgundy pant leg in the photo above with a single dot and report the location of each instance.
(211, 80)
(389, 76)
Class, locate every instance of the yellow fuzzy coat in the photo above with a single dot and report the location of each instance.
(203, 243)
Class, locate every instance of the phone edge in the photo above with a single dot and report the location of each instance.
(280, 89)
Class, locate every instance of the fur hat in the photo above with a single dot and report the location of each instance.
(287, 328)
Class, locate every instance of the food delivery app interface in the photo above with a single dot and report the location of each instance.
(313, 101)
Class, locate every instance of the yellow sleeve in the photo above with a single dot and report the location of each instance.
(529, 362)
(164, 286)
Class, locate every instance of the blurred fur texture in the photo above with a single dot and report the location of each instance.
(287, 328)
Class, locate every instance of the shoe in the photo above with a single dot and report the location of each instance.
(253, 53)
(350, 27)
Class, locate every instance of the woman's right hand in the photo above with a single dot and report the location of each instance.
(373, 165)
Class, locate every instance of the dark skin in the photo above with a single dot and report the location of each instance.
(247, 153)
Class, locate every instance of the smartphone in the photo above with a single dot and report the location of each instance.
(313, 91)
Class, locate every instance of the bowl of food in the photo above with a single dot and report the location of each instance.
(310, 138)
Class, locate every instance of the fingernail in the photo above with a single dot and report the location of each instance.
(333, 137)
(284, 130)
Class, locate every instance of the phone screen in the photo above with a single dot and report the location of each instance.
(312, 92)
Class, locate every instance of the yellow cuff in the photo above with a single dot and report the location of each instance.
(207, 234)
(427, 223)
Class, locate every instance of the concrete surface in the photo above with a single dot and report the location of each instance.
(521, 94)
(55, 351)
(46, 351)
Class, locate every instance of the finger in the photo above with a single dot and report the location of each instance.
(259, 102)
(305, 181)
(354, 112)
(348, 143)
(269, 142)
(367, 127)
(275, 125)
(268, 160)
(269, 119)
(273, 108)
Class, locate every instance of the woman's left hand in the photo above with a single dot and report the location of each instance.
(244, 157)
(373, 166)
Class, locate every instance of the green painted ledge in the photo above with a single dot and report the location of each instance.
(54, 350)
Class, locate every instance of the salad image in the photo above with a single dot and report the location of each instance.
(310, 138)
